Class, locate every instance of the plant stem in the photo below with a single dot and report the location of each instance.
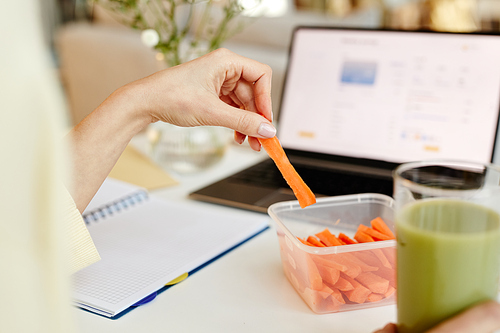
(161, 15)
(231, 10)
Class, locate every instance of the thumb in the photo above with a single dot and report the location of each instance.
(245, 122)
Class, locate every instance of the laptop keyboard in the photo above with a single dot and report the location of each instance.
(320, 181)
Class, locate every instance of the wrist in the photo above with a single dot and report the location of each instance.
(130, 104)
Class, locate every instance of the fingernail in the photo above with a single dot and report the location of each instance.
(266, 130)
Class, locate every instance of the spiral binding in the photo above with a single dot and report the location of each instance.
(115, 207)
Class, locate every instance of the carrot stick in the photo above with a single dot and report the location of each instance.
(390, 291)
(362, 237)
(302, 192)
(373, 233)
(327, 238)
(352, 269)
(388, 274)
(375, 283)
(359, 293)
(374, 297)
(313, 298)
(381, 256)
(343, 285)
(364, 266)
(325, 291)
(379, 225)
(303, 241)
(337, 295)
(315, 242)
(315, 280)
(334, 304)
(329, 274)
(369, 258)
(321, 300)
(346, 239)
(390, 254)
(375, 257)
(329, 263)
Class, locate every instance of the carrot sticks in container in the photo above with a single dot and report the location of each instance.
(334, 281)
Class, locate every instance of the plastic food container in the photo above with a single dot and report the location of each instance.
(337, 278)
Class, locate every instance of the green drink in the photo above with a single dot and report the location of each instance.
(448, 259)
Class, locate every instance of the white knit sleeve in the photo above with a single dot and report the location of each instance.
(82, 249)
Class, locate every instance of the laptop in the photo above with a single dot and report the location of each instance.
(356, 103)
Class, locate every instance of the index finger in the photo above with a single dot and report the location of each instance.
(260, 75)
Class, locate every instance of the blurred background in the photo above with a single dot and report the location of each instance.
(100, 45)
(95, 52)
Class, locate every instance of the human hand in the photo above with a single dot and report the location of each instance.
(211, 90)
(389, 328)
(483, 318)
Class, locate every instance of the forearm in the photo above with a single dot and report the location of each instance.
(97, 142)
(208, 91)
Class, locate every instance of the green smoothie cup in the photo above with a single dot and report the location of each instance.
(448, 240)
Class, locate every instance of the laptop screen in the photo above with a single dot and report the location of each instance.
(392, 96)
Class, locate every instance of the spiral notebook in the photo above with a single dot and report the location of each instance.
(145, 242)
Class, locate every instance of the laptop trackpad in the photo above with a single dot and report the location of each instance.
(276, 196)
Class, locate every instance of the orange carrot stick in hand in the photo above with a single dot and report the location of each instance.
(302, 192)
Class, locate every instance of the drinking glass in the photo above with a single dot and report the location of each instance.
(186, 150)
(448, 239)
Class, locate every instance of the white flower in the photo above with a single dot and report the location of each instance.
(150, 37)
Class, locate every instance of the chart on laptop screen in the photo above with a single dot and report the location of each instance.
(392, 96)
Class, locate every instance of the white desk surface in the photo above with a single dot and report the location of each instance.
(243, 291)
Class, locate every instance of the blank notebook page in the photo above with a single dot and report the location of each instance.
(152, 242)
